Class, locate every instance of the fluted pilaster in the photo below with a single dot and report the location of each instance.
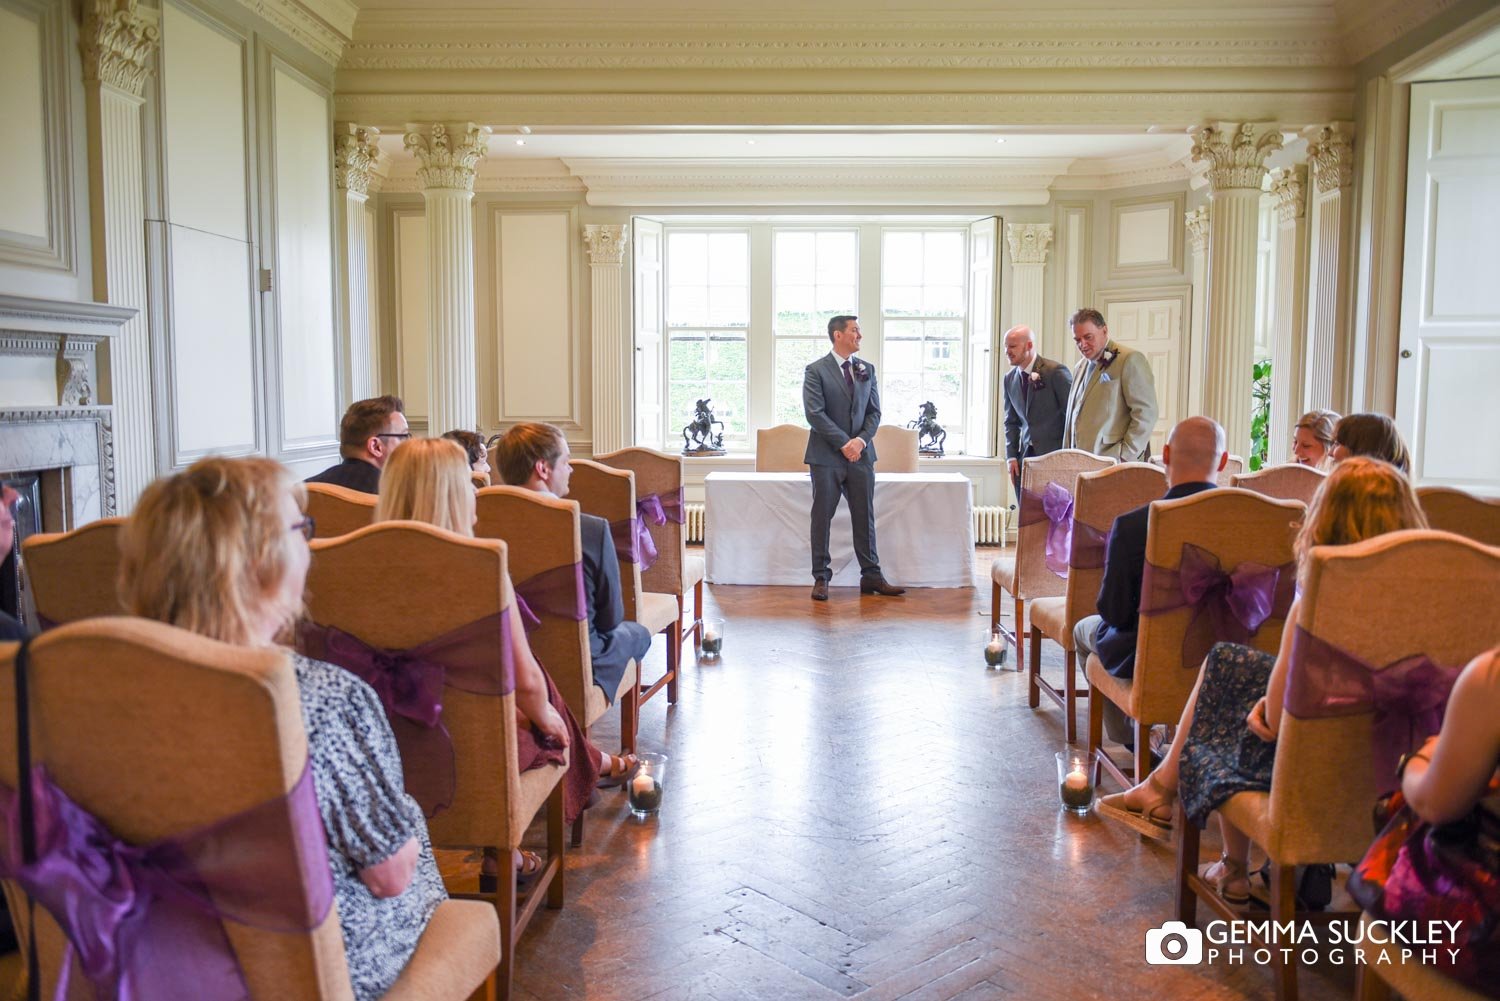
(1288, 350)
(1236, 154)
(1028, 244)
(1330, 153)
(449, 155)
(611, 347)
(1197, 230)
(118, 42)
(355, 152)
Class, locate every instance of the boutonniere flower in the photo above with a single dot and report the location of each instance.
(1107, 358)
(1036, 378)
(861, 371)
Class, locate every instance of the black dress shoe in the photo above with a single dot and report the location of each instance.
(878, 585)
(820, 590)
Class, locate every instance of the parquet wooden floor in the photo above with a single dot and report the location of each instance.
(857, 808)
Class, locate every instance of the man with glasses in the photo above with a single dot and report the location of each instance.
(370, 431)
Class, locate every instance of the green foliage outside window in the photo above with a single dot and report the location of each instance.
(1260, 416)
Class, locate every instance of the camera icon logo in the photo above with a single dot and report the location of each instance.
(1174, 944)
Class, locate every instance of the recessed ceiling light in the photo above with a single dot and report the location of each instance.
(520, 142)
(749, 142)
(999, 139)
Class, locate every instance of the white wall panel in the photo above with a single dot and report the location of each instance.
(211, 336)
(1146, 236)
(23, 154)
(204, 124)
(535, 311)
(304, 262)
(411, 312)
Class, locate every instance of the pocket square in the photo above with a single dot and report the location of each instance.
(1104, 377)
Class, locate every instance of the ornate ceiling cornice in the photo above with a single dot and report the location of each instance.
(324, 27)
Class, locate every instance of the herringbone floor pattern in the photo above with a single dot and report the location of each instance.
(857, 808)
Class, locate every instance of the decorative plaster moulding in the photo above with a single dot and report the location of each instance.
(324, 27)
(20, 314)
(1371, 25)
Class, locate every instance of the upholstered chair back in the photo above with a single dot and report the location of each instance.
(895, 449)
(1450, 510)
(337, 510)
(74, 575)
(1381, 600)
(1288, 481)
(1234, 466)
(1032, 577)
(1099, 498)
(181, 732)
(1235, 526)
(780, 449)
(399, 584)
(609, 493)
(541, 533)
(660, 474)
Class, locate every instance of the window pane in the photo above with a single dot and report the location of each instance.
(687, 261)
(728, 403)
(794, 299)
(896, 330)
(687, 306)
(727, 361)
(945, 329)
(728, 306)
(838, 257)
(687, 361)
(795, 263)
(792, 358)
(728, 258)
(684, 398)
(945, 258)
(900, 398)
(901, 262)
(903, 300)
(943, 300)
(836, 300)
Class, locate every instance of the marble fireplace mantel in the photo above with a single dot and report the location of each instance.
(78, 443)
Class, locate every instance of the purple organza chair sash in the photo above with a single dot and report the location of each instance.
(1088, 548)
(1055, 505)
(557, 592)
(410, 685)
(633, 542)
(655, 509)
(1228, 605)
(1408, 695)
(146, 922)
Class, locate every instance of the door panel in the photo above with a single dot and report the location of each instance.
(1154, 327)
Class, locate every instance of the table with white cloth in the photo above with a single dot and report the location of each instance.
(757, 530)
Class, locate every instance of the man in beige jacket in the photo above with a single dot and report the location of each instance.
(1112, 405)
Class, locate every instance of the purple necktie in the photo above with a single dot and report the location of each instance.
(848, 378)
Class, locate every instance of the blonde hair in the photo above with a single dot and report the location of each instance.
(1360, 499)
(427, 479)
(1320, 424)
(208, 548)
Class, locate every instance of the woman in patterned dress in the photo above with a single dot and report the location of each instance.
(1227, 734)
(221, 549)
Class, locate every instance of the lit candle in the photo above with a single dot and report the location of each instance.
(1076, 780)
(1077, 793)
(643, 784)
(994, 652)
(712, 641)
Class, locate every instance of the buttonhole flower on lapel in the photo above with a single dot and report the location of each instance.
(1036, 378)
(1107, 358)
(861, 371)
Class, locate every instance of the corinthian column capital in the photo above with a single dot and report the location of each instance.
(117, 42)
(1197, 227)
(1330, 151)
(606, 243)
(355, 150)
(448, 153)
(1236, 153)
(1029, 242)
(1289, 185)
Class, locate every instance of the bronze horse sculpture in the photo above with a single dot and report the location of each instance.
(930, 434)
(699, 436)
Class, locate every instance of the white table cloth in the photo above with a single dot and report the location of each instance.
(757, 530)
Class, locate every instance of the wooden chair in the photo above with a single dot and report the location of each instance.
(1288, 481)
(1024, 575)
(1386, 970)
(1450, 510)
(449, 581)
(1098, 499)
(1235, 526)
(185, 731)
(895, 449)
(1379, 600)
(780, 449)
(337, 510)
(74, 575)
(676, 571)
(1233, 467)
(541, 534)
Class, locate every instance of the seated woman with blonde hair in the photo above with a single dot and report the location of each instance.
(1227, 734)
(220, 549)
(427, 480)
(1312, 439)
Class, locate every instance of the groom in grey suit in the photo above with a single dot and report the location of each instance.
(1036, 402)
(842, 404)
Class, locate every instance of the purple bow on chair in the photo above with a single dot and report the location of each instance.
(1054, 504)
(474, 658)
(145, 922)
(633, 542)
(1233, 603)
(1088, 547)
(557, 592)
(1408, 695)
(656, 509)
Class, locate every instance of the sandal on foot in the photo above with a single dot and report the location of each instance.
(1153, 820)
(527, 869)
(1230, 878)
(620, 767)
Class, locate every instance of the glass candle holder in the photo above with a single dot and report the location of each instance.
(994, 650)
(712, 641)
(645, 785)
(1075, 783)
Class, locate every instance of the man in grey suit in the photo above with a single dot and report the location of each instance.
(1112, 408)
(1036, 402)
(842, 404)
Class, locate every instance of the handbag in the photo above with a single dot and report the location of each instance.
(1417, 871)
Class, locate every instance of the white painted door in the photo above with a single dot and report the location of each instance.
(649, 363)
(1154, 328)
(1448, 376)
(980, 422)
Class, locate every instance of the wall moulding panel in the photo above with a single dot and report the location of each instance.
(409, 307)
(1073, 279)
(36, 200)
(1145, 236)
